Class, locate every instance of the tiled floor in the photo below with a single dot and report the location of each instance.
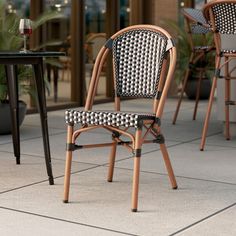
(204, 204)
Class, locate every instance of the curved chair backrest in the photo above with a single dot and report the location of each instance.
(138, 56)
(222, 15)
(139, 59)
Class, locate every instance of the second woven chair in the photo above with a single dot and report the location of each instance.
(196, 25)
(222, 16)
(144, 59)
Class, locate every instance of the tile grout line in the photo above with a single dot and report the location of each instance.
(66, 221)
(46, 180)
(104, 164)
(203, 219)
(179, 176)
(36, 137)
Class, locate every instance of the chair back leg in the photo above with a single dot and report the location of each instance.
(208, 113)
(168, 166)
(112, 162)
(211, 98)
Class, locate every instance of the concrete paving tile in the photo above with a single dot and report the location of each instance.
(28, 132)
(58, 148)
(23, 224)
(220, 224)
(32, 169)
(215, 164)
(162, 210)
(56, 120)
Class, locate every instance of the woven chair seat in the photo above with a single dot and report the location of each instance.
(112, 118)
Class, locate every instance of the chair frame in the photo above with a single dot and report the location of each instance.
(197, 54)
(137, 139)
(228, 57)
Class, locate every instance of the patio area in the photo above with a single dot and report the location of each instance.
(204, 204)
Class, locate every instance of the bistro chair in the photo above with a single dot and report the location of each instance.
(196, 25)
(144, 59)
(222, 17)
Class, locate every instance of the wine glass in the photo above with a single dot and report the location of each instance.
(25, 28)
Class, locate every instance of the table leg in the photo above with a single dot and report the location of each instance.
(38, 70)
(13, 99)
(55, 82)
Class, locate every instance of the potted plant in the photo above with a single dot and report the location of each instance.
(183, 56)
(11, 40)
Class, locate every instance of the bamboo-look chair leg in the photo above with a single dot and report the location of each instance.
(227, 99)
(112, 162)
(136, 171)
(181, 95)
(204, 132)
(68, 165)
(168, 166)
(197, 95)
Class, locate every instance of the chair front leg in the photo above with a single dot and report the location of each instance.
(208, 113)
(68, 164)
(136, 171)
(168, 166)
(211, 98)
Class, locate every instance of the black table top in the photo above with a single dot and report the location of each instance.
(29, 54)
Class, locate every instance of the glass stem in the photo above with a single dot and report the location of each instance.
(25, 38)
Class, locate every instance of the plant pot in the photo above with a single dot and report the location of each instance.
(5, 116)
(191, 88)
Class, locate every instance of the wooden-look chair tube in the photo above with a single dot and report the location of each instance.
(112, 162)
(93, 83)
(168, 166)
(68, 165)
(136, 171)
(211, 98)
(167, 83)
